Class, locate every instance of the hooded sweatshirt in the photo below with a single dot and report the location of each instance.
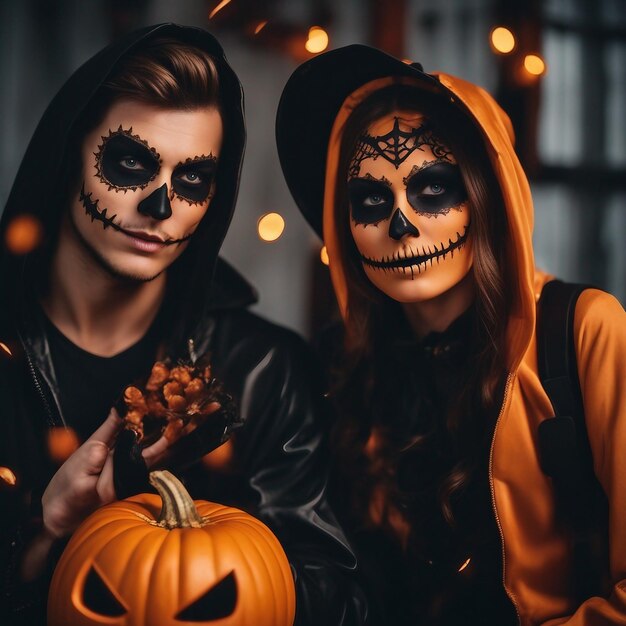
(537, 560)
(276, 468)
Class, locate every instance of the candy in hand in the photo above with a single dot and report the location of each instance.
(174, 401)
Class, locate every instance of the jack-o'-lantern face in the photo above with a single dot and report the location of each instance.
(121, 568)
(101, 602)
(409, 212)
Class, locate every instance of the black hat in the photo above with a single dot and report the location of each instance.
(309, 105)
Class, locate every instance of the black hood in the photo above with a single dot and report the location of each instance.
(309, 104)
(47, 156)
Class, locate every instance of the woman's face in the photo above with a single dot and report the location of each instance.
(409, 212)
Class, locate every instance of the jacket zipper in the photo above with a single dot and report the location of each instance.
(52, 422)
(507, 388)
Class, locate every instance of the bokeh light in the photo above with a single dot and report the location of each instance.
(218, 8)
(317, 41)
(324, 255)
(23, 234)
(7, 476)
(260, 26)
(502, 40)
(270, 226)
(464, 565)
(534, 64)
(5, 348)
(62, 443)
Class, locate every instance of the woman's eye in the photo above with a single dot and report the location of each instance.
(433, 190)
(373, 200)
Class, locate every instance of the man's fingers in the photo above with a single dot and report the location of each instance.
(151, 453)
(104, 486)
(211, 408)
(107, 431)
(93, 457)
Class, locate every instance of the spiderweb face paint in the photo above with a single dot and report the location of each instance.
(148, 179)
(396, 146)
(409, 212)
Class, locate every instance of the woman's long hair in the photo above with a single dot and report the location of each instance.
(369, 437)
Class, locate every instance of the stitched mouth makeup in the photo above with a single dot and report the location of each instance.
(93, 210)
(411, 259)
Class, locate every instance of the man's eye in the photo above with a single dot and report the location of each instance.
(131, 163)
(373, 200)
(192, 178)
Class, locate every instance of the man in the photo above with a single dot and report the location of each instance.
(132, 174)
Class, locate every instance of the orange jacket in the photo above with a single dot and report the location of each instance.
(535, 553)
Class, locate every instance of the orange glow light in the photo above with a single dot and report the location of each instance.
(5, 348)
(8, 476)
(270, 226)
(260, 27)
(502, 40)
(317, 41)
(534, 64)
(324, 255)
(219, 7)
(464, 565)
(62, 443)
(23, 234)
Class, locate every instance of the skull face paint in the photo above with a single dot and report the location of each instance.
(409, 212)
(125, 162)
(145, 185)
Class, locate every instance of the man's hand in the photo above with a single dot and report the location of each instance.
(83, 483)
(192, 443)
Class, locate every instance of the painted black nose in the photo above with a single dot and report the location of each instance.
(400, 226)
(157, 204)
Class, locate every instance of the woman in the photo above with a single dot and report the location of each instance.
(414, 184)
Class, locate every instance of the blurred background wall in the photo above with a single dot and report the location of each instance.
(563, 83)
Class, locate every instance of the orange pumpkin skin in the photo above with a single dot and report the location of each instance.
(154, 572)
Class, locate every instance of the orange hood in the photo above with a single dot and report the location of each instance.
(497, 131)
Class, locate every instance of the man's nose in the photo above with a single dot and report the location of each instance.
(400, 226)
(157, 204)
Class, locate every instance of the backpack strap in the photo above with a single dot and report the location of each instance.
(564, 449)
(563, 442)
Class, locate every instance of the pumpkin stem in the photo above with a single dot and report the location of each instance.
(178, 510)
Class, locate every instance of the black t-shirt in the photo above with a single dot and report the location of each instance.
(89, 385)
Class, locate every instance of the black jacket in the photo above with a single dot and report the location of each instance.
(279, 468)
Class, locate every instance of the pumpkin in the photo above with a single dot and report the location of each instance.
(166, 560)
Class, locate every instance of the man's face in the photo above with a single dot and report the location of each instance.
(148, 177)
(409, 213)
